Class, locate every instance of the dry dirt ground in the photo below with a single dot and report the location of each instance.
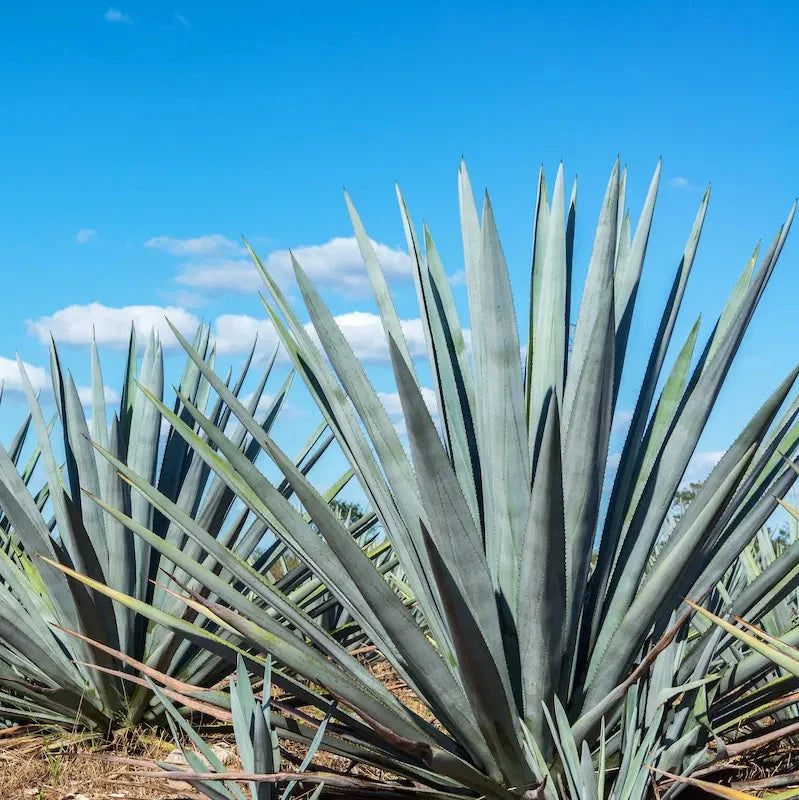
(40, 765)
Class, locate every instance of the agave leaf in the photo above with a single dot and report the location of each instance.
(207, 753)
(588, 406)
(501, 424)
(455, 533)
(483, 683)
(54, 477)
(628, 274)
(128, 386)
(542, 592)
(598, 293)
(242, 704)
(388, 312)
(564, 743)
(121, 547)
(733, 303)
(587, 776)
(551, 325)
(309, 755)
(457, 542)
(667, 407)
(99, 417)
(452, 372)
(83, 471)
(142, 452)
(540, 240)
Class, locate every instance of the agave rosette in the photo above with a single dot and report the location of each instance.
(533, 655)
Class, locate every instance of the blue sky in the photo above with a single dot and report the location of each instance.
(140, 140)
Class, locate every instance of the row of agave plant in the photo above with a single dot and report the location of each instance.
(132, 582)
(48, 672)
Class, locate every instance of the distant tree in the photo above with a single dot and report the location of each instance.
(346, 511)
(684, 497)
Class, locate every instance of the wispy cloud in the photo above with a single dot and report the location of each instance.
(701, 465)
(182, 20)
(236, 275)
(85, 394)
(185, 297)
(233, 334)
(211, 245)
(84, 235)
(115, 15)
(621, 421)
(683, 183)
(216, 262)
(73, 325)
(364, 332)
(11, 380)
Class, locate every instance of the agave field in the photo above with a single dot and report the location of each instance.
(561, 631)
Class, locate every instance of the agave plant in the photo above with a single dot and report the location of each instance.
(46, 674)
(532, 661)
(256, 725)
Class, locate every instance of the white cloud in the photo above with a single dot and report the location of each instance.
(237, 275)
(621, 421)
(74, 324)
(11, 380)
(700, 465)
(214, 244)
(364, 332)
(264, 401)
(85, 395)
(185, 298)
(182, 20)
(235, 333)
(84, 235)
(679, 182)
(336, 264)
(115, 15)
